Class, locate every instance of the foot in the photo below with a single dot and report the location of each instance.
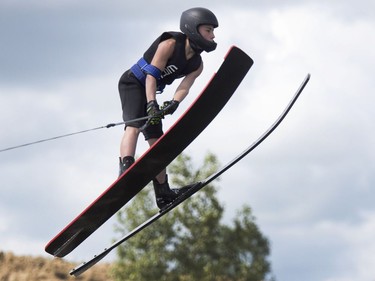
(181, 190)
(165, 195)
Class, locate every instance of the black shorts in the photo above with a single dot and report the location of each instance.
(134, 102)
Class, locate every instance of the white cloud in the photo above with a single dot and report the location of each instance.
(335, 250)
(310, 183)
(318, 165)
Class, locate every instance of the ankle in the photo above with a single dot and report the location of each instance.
(125, 163)
(160, 180)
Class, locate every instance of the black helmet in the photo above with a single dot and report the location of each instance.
(190, 21)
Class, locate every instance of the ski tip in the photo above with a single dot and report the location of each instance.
(305, 81)
(236, 50)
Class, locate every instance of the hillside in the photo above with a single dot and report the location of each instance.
(25, 268)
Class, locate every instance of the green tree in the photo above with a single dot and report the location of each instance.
(191, 243)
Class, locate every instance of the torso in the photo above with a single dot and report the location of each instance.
(180, 63)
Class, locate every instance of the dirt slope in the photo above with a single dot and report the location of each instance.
(25, 268)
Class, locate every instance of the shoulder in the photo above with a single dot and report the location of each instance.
(172, 34)
(199, 70)
(167, 45)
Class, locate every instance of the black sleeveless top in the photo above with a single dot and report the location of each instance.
(177, 66)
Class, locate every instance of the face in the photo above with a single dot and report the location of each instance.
(207, 32)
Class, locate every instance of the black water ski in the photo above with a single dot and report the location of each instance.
(190, 124)
(193, 187)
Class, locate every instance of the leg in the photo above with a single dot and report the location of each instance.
(133, 101)
(161, 178)
(127, 148)
(129, 142)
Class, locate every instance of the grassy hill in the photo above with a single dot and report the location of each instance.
(26, 268)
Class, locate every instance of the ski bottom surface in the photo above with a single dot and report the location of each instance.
(193, 188)
(191, 123)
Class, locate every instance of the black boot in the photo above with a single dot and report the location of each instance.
(164, 194)
(125, 163)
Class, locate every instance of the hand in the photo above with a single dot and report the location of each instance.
(169, 107)
(154, 112)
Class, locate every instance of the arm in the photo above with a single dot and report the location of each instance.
(160, 59)
(185, 85)
(182, 91)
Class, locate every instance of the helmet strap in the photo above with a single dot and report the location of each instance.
(195, 47)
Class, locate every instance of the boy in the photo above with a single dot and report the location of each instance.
(171, 56)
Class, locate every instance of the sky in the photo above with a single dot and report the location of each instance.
(310, 184)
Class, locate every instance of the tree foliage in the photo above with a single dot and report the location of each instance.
(191, 242)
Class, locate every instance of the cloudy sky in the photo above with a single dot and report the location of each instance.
(310, 184)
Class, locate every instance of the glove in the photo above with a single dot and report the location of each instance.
(154, 112)
(169, 107)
